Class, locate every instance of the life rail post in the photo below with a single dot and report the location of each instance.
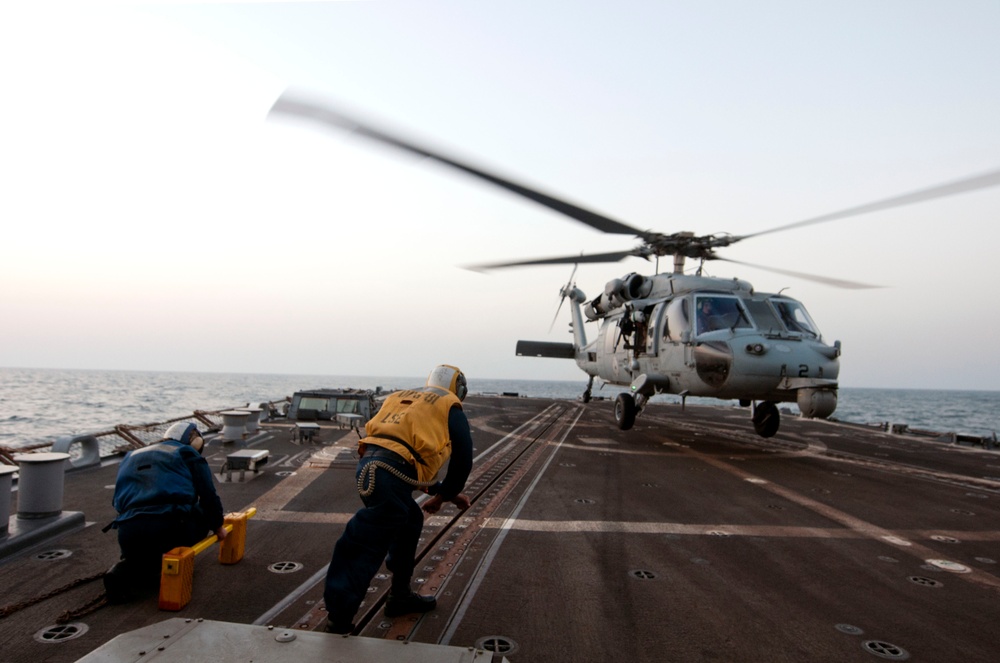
(177, 569)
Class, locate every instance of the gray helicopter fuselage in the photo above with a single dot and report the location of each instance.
(703, 336)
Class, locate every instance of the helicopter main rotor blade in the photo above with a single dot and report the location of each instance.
(328, 116)
(614, 256)
(974, 183)
(826, 280)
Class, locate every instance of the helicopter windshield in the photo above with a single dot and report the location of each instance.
(794, 317)
(719, 312)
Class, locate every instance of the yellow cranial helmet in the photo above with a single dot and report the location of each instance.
(450, 378)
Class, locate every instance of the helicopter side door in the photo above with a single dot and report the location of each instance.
(673, 337)
(612, 355)
(658, 320)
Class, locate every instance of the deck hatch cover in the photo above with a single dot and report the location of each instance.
(849, 629)
(498, 644)
(50, 555)
(885, 650)
(61, 633)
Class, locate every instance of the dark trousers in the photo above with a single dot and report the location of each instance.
(387, 528)
(143, 540)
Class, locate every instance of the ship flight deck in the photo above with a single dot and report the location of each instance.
(687, 538)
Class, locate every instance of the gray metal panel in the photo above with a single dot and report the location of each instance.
(188, 640)
(544, 349)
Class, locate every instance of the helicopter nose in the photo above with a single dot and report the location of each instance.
(713, 362)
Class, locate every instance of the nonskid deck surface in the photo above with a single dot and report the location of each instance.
(687, 538)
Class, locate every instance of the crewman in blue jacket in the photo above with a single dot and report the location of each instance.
(165, 497)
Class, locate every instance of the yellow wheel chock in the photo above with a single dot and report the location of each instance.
(177, 570)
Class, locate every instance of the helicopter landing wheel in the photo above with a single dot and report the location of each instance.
(625, 411)
(766, 419)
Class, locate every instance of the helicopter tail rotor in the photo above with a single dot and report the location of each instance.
(563, 294)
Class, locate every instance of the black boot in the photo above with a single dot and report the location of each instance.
(119, 585)
(406, 603)
(341, 628)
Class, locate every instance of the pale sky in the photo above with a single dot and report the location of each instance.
(155, 219)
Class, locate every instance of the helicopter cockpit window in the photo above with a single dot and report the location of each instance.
(793, 315)
(717, 312)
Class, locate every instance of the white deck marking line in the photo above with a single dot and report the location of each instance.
(292, 597)
(700, 529)
(278, 497)
(271, 508)
(514, 435)
(853, 523)
(310, 517)
(487, 561)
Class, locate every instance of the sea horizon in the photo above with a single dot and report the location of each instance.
(40, 404)
(518, 379)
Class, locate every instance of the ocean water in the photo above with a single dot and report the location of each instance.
(39, 405)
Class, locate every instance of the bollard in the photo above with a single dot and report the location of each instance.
(253, 421)
(234, 425)
(6, 481)
(40, 487)
(177, 567)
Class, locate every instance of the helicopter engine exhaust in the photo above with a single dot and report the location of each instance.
(617, 292)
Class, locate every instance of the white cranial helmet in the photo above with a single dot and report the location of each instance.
(450, 378)
(186, 433)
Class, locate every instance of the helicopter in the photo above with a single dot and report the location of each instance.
(671, 332)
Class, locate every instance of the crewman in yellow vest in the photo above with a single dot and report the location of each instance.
(408, 441)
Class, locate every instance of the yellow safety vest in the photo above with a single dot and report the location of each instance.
(414, 424)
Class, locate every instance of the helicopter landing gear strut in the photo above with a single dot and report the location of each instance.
(625, 411)
(587, 392)
(766, 418)
(628, 407)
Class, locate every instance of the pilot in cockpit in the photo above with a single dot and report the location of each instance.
(706, 316)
